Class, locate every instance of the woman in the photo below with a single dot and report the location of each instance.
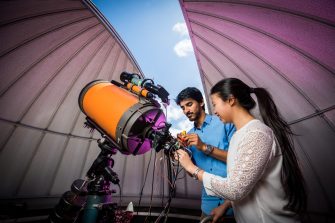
(264, 182)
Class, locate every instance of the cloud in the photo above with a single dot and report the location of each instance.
(178, 120)
(174, 131)
(183, 48)
(174, 112)
(180, 126)
(185, 125)
(180, 28)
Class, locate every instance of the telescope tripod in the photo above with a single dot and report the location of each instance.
(89, 200)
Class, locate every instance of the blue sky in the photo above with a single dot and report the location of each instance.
(156, 34)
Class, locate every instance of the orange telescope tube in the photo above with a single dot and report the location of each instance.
(121, 115)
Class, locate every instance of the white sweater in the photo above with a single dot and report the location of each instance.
(253, 177)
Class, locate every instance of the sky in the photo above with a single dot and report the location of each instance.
(155, 32)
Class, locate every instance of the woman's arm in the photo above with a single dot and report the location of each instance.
(252, 157)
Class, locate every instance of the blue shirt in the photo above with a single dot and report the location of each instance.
(217, 134)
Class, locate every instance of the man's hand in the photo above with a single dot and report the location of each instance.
(194, 140)
(220, 211)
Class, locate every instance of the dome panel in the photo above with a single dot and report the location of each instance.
(91, 154)
(32, 8)
(133, 176)
(15, 158)
(315, 190)
(220, 65)
(308, 7)
(7, 128)
(34, 82)
(70, 166)
(255, 68)
(31, 54)
(41, 171)
(46, 24)
(286, 27)
(60, 84)
(317, 153)
(79, 127)
(302, 72)
(312, 8)
(331, 116)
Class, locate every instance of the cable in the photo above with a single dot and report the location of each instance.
(172, 191)
(120, 197)
(145, 180)
(166, 210)
(163, 176)
(152, 190)
(174, 176)
(155, 144)
(168, 203)
(163, 185)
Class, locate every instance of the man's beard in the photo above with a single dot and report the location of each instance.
(193, 116)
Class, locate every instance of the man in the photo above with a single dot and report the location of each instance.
(208, 140)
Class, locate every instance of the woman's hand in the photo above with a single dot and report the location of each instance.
(184, 160)
(220, 211)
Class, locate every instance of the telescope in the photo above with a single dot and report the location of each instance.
(127, 114)
(130, 120)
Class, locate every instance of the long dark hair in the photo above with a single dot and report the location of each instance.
(291, 176)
